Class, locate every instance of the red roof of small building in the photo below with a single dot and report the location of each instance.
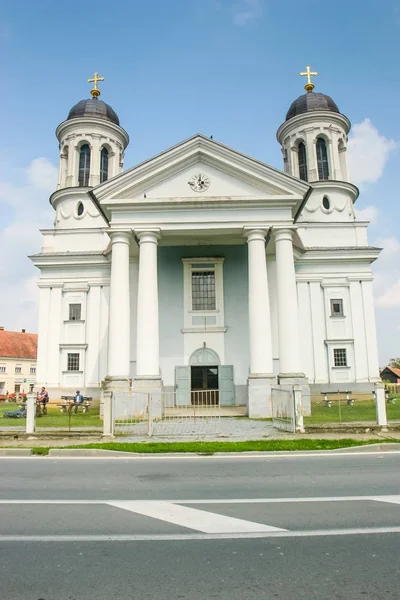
(394, 370)
(15, 344)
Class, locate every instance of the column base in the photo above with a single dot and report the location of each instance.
(116, 383)
(259, 390)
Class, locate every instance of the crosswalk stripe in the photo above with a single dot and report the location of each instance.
(193, 518)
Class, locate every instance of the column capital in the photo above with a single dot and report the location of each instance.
(148, 235)
(255, 234)
(120, 237)
(283, 233)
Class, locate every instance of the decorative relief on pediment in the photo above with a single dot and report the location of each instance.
(200, 182)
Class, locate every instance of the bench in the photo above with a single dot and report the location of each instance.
(69, 403)
(345, 396)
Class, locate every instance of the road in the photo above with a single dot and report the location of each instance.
(245, 527)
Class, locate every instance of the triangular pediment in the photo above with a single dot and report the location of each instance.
(224, 173)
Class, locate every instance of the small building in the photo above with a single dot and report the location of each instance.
(391, 374)
(18, 353)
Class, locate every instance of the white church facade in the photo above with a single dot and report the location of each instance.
(205, 269)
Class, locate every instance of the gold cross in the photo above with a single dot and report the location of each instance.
(309, 85)
(95, 91)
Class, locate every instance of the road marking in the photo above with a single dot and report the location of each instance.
(394, 499)
(199, 536)
(192, 518)
(390, 499)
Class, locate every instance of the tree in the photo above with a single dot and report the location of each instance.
(395, 362)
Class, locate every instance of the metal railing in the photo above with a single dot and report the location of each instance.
(167, 413)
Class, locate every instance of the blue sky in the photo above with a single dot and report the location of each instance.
(172, 68)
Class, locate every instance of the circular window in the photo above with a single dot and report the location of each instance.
(79, 209)
(326, 203)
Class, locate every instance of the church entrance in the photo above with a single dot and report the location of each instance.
(204, 384)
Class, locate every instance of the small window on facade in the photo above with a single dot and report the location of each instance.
(322, 159)
(203, 290)
(103, 165)
(84, 166)
(18, 369)
(3, 369)
(302, 162)
(32, 370)
(79, 209)
(336, 308)
(326, 203)
(340, 357)
(73, 362)
(75, 312)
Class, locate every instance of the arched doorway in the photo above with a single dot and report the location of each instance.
(204, 364)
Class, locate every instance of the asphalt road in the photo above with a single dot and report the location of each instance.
(323, 527)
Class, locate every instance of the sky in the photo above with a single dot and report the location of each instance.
(172, 68)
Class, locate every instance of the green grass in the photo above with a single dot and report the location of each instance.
(362, 410)
(209, 448)
(54, 418)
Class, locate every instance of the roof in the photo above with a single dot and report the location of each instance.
(310, 102)
(15, 344)
(92, 107)
(393, 369)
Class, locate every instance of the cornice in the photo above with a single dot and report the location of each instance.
(87, 122)
(312, 118)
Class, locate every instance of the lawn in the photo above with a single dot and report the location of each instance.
(209, 448)
(360, 411)
(54, 418)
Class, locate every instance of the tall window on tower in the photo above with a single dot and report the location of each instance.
(302, 162)
(322, 159)
(103, 165)
(203, 290)
(84, 166)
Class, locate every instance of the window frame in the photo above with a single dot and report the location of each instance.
(70, 311)
(339, 359)
(18, 369)
(84, 180)
(302, 165)
(209, 319)
(334, 314)
(32, 370)
(205, 272)
(4, 366)
(104, 173)
(69, 357)
(323, 167)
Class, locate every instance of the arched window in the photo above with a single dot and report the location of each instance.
(84, 166)
(302, 162)
(322, 159)
(103, 165)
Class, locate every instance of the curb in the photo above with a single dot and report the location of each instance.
(15, 452)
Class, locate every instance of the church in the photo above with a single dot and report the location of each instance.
(203, 269)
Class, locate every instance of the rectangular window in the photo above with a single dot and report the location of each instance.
(203, 290)
(32, 370)
(73, 362)
(340, 357)
(75, 312)
(18, 369)
(337, 308)
(3, 369)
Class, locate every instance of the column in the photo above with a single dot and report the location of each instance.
(71, 180)
(119, 320)
(288, 320)
(148, 362)
(259, 312)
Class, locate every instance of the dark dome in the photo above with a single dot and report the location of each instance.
(92, 107)
(311, 102)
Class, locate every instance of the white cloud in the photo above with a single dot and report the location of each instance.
(369, 213)
(391, 297)
(245, 11)
(387, 273)
(368, 153)
(27, 208)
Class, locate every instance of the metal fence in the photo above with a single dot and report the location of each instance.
(348, 408)
(157, 414)
(283, 409)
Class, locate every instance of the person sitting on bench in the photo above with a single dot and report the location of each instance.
(78, 399)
